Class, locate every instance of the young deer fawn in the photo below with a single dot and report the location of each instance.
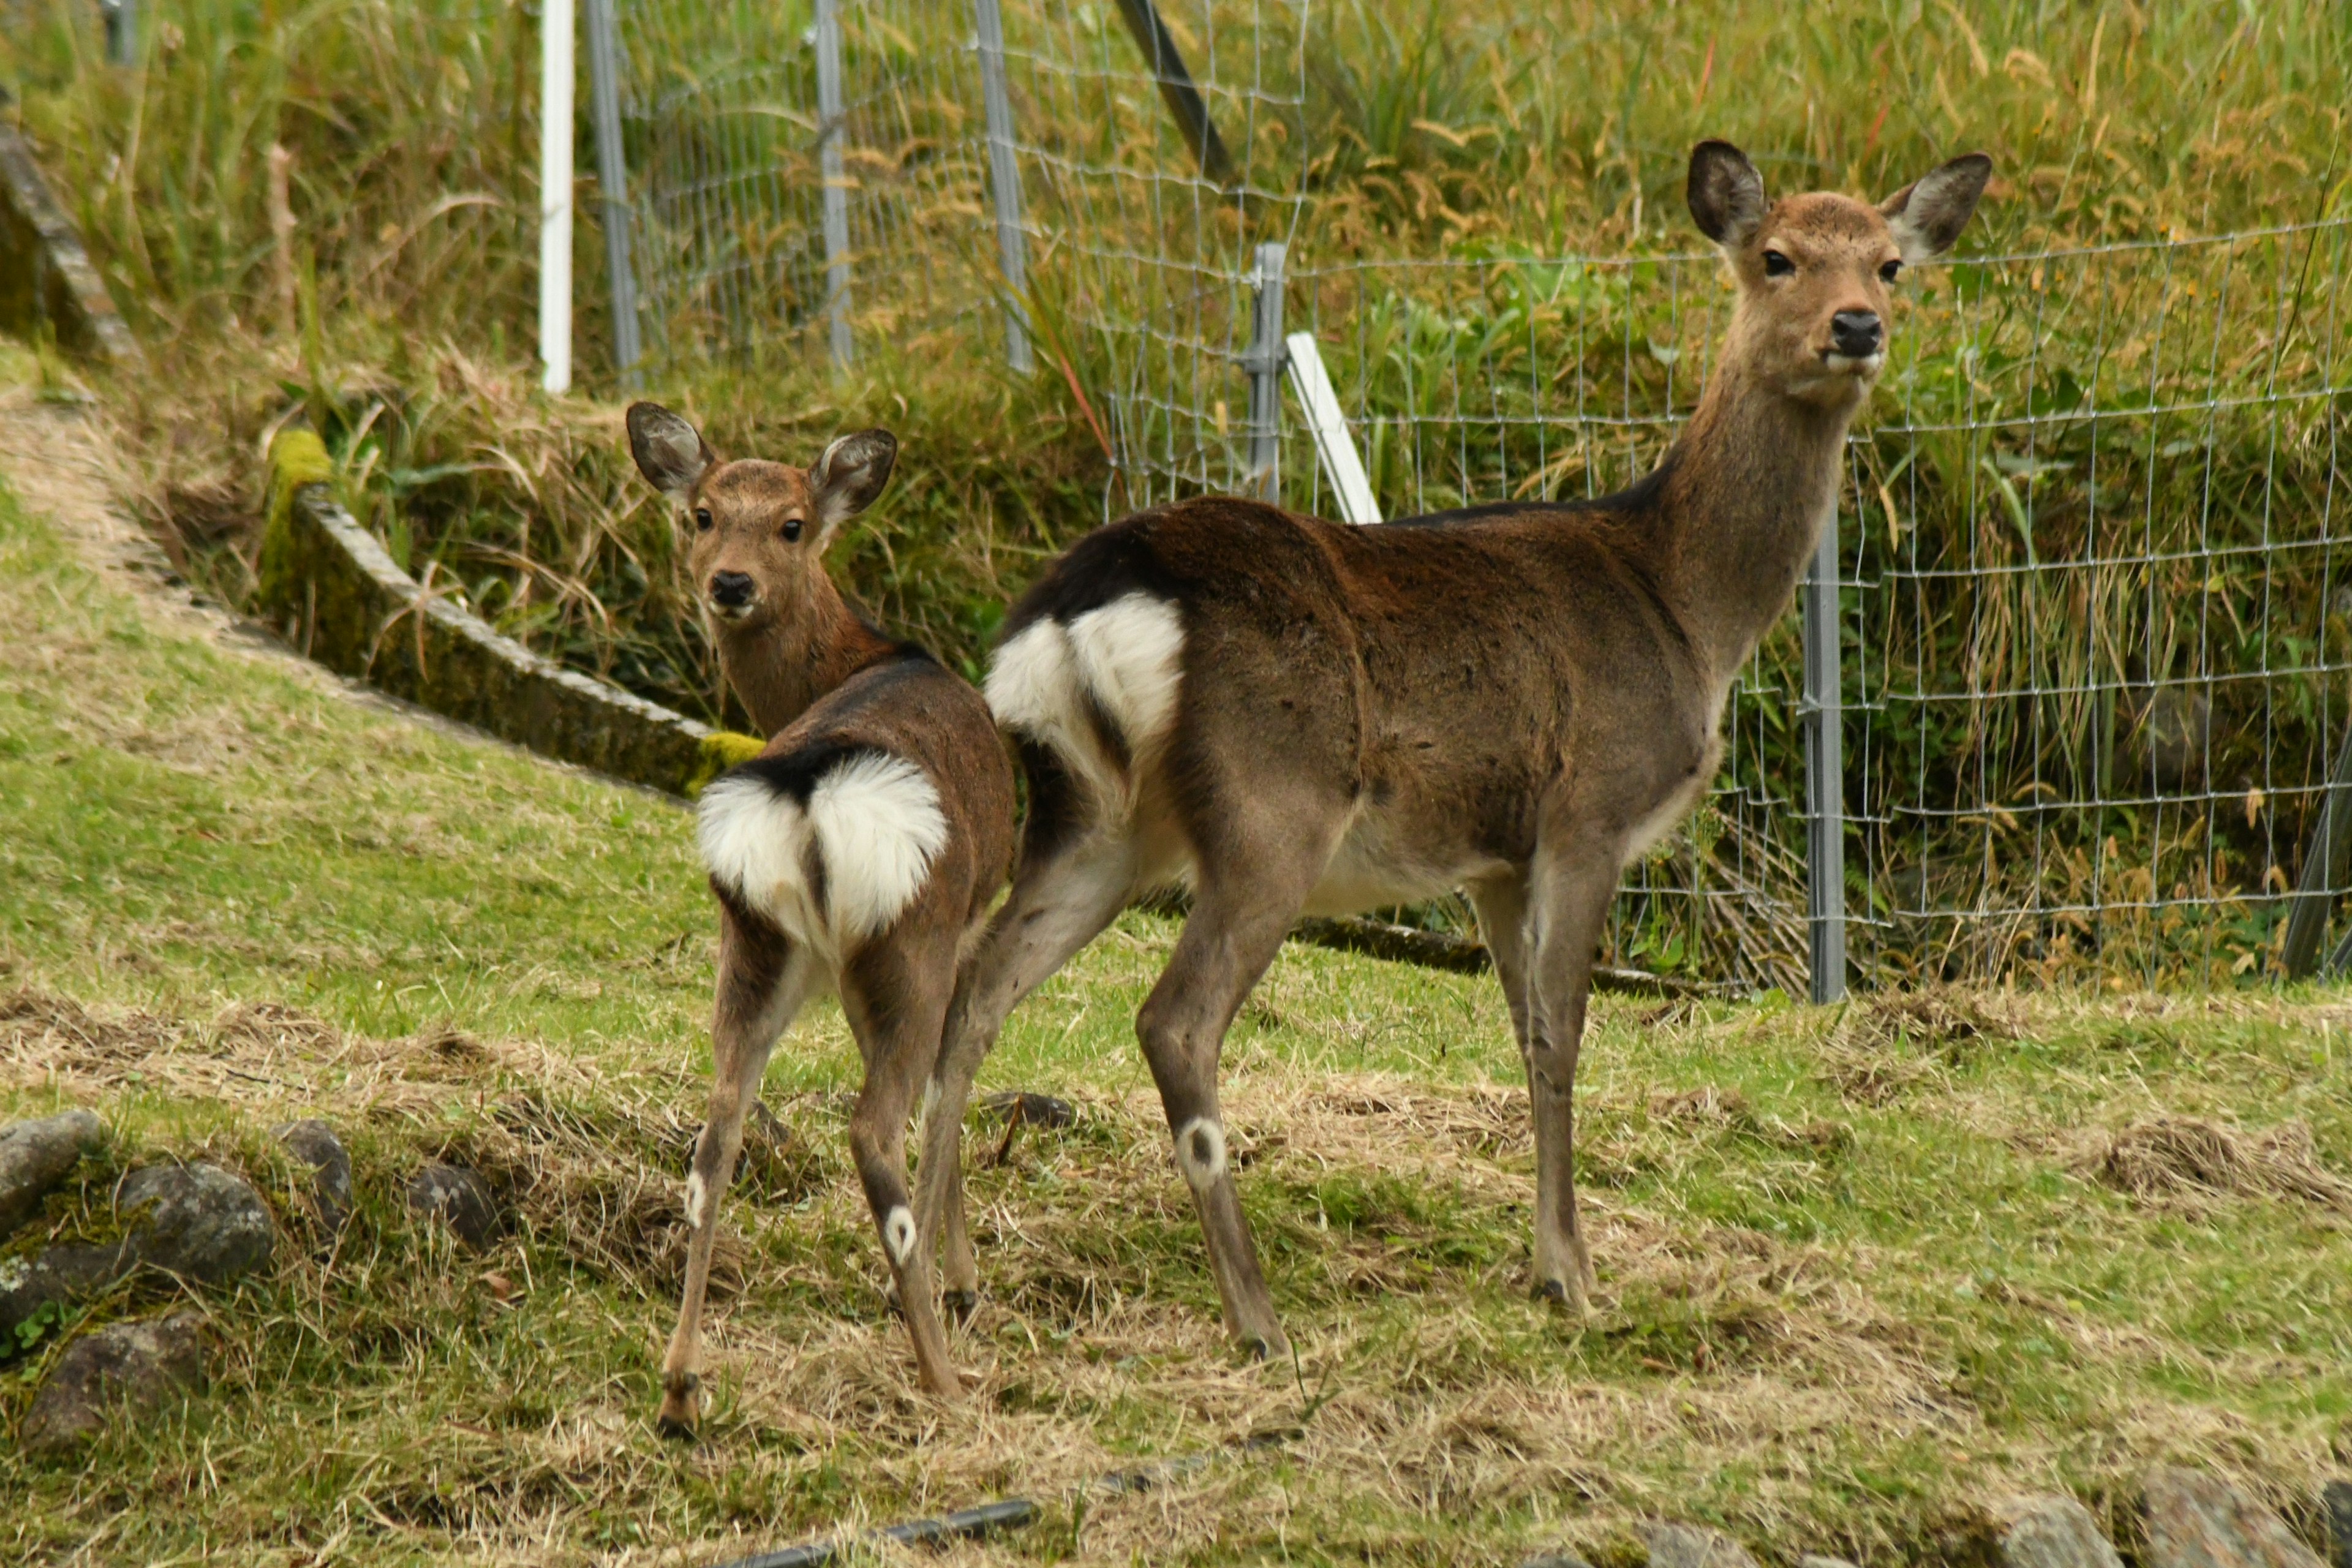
(1298, 716)
(859, 852)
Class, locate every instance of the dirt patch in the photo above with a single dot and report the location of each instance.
(2168, 1159)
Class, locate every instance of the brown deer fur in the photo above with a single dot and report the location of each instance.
(1295, 715)
(859, 852)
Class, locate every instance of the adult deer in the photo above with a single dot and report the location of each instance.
(1298, 716)
(857, 853)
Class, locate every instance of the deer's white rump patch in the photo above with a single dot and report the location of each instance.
(1125, 657)
(875, 822)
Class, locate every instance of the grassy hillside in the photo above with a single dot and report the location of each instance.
(1861, 1270)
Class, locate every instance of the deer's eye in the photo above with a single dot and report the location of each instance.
(702, 519)
(1776, 265)
(1887, 273)
(792, 528)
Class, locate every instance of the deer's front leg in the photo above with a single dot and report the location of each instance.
(1571, 886)
(763, 980)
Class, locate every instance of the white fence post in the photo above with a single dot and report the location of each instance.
(555, 67)
(613, 178)
(1263, 359)
(1823, 717)
(1328, 424)
(836, 184)
(1004, 185)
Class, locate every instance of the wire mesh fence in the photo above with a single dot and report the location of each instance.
(798, 166)
(2093, 618)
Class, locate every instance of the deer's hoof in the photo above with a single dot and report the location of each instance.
(679, 1406)
(1564, 1294)
(961, 1304)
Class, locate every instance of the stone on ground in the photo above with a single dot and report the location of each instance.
(314, 1143)
(455, 1196)
(35, 1156)
(2045, 1531)
(2336, 1501)
(197, 1221)
(136, 1366)
(205, 1223)
(2197, 1519)
(1674, 1544)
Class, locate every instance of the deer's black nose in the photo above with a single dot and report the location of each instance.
(730, 590)
(1855, 333)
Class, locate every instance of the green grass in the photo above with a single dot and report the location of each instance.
(1860, 1272)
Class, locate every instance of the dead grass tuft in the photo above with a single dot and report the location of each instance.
(1944, 1019)
(1884, 1046)
(2169, 1158)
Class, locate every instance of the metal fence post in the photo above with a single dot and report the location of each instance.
(2322, 873)
(1264, 359)
(1004, 185)
(837, 184)
(1176, 89)
(1821, 713)
(613, 176)
(121, 18)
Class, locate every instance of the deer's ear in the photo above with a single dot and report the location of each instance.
(1927, 215)
(1725, 193)
(670, 453)
(852, 472)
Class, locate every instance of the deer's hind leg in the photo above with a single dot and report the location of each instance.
(1257, 863)
(1064, 894)
(895, 994)
(764, 978)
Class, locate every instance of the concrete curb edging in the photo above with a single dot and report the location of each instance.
(334, 592)
(46, 274)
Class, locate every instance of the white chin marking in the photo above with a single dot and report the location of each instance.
(698, 1201)
(1201, 1153)
(898, 1234)
(1127, 657)
(1850, 364)
(877, 824)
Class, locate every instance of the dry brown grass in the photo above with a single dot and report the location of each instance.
(2172, 1158)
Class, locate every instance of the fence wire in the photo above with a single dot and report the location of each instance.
(728, 142)
(2095, 620)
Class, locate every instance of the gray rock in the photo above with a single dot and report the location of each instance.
(1674, 1544)
(135, 1365)
(197, 1221)
(35, 1156)
(2336, 1501)
(314, 1143)
(2196, 1519)
(455, 1196)
(2044, 1530)
(1813, 1560)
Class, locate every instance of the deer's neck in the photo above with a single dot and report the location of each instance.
(792, 656)
(1750, 485)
